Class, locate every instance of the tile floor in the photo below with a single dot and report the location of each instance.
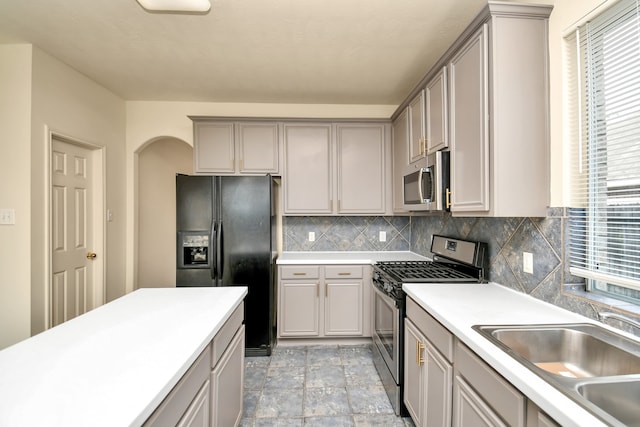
(316, 386)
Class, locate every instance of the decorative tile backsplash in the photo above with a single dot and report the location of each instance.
(347, 233)
(507, 239)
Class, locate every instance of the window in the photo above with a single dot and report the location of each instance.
(604, 217)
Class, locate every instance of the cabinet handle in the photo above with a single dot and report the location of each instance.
(448, 198)
(419, 348)
(299, 274)
(344, 274)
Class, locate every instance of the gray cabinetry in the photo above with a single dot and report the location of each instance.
(481, 396)
(335, 168)
(236, 147)
(417, 134)
(437, 132)
(469, 127)
(428, 369)
(316, 301)
(308, 157)
(499, 114)
(400, 145)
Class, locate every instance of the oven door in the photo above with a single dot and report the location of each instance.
(386, 334)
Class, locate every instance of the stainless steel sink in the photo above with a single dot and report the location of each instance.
(619, 398)
(593, 365)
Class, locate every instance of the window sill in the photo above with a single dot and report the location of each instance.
(603, 302)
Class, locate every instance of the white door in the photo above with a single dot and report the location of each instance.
(72, 225)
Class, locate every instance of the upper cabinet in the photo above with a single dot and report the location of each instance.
(437, 135)
(417, 138)
(336, 168)
(361, 168)
(400, 146)
(487, 101)
(236, 147)
(499, 114)
(308, 159)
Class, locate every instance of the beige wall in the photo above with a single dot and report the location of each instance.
(42, 94)
(158, 164)
(15, 179)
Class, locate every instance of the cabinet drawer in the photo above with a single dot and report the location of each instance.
(437, 334)
(300, 272)
(343, 272)
(505, 399)
(225, 334)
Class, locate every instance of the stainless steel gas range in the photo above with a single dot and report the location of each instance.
(454, 261)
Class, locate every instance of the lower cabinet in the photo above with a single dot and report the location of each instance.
(427, 379)
(447, 384)
(481, 396)
(428, 371)
(210, 392)
(323, 301)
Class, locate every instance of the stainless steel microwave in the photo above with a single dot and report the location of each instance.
(427, 188)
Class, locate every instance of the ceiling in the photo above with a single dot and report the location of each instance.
(281, 51)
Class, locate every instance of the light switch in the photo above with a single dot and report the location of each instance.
(7, 216)
(382, 236)
(312, 236)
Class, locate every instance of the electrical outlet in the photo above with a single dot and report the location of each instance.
(382, 236)
(7, 216)
(312, 236)
(527, 262)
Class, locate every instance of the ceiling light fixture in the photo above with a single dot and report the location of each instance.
(189, 6)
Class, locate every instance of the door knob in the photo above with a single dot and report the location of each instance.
(91, 255)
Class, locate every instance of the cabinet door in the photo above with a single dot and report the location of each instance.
(343, 308)
(436, 104)
(417, 134)
(258, 146)
(197, 414)
(413, 376)
(308, 169)
(227, 379)
(361, 168)
(469, 410)
(298, 310)
(214, 147)
(400, 144)
(468, 72)
(438, 396)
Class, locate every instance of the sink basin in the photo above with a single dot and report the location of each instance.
(596, 367)
(618, 398)
(579, 351)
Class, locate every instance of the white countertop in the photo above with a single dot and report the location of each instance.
(460, 306)
(297, 258)
(113, 365)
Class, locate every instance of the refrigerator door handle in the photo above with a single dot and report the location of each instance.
(219, 254)
(214, 250)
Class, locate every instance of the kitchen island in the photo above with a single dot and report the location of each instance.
(458, 307)
(114, 365)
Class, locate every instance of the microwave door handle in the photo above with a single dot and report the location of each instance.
(420, 192)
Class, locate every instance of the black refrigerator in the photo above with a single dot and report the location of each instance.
(225, 237)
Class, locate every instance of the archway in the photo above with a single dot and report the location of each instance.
(157, 164)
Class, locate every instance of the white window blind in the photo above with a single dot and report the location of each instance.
(604, 92)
